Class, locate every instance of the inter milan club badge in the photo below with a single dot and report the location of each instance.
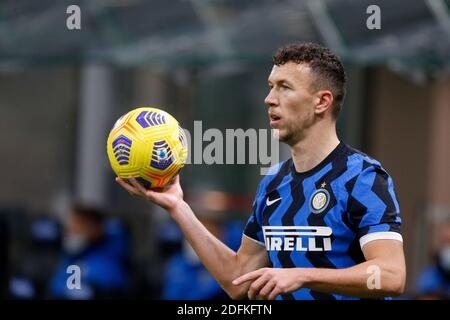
(319, 200)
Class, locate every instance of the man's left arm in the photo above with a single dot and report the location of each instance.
(382, 274)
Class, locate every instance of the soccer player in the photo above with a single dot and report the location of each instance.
(325, 223)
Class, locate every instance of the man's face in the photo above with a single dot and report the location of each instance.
(290, 101)
(81, 226)
(80, 232)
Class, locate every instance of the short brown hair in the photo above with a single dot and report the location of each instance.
(325, 65)
(90, 213)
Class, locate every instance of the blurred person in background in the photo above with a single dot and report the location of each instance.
(4, 257)
(39, 255)
(434, 282)
(187, 278)
(99, 247)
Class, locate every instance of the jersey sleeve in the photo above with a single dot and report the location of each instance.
(373, 207)
(253, 228)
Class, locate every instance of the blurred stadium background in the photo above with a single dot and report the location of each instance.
(61, 90)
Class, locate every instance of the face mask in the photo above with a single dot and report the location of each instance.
(444, 258)
(74, 244)
(189, 253)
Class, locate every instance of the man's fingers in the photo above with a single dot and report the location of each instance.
(137, 185)
(147, 193)
(265, 291)
(151, 195)
(247, 277)
(176, 179)
(273, 295)
(127, 186)
(256, 286)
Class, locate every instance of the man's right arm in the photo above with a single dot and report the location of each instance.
(222, 262)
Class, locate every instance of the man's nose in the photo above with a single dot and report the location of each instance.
(271, 99)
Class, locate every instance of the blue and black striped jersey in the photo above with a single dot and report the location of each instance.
(323, 217)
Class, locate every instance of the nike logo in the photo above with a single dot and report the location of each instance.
(271, 202)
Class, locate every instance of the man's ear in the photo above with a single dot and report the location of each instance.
(324, 100)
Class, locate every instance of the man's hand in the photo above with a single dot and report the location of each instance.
(268, 283)
(168, 197)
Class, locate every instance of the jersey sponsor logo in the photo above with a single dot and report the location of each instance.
(297, 238)
(319, 200)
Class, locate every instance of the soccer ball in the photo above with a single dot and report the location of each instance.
(148, 144)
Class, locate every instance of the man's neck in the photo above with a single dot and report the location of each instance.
(317, 144)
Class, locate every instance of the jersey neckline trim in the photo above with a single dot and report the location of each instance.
(331, 156)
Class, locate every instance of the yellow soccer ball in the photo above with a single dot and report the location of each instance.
(148, 144)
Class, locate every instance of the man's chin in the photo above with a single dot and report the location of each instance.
(276, 134)
(280, 135)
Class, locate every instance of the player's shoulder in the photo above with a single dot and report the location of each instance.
(275, 170)
(359, 163)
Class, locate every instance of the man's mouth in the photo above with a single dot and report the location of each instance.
(274, 119)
